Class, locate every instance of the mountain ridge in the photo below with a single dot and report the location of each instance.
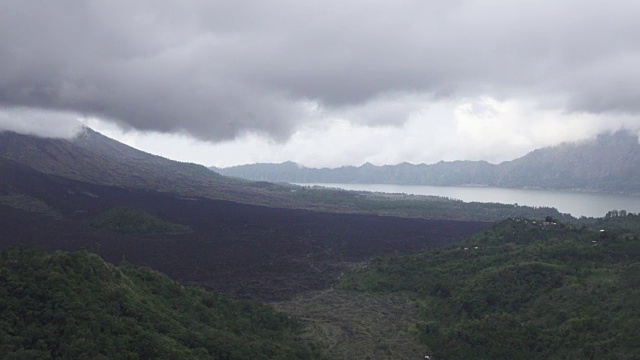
(94, 158)
(609, 163)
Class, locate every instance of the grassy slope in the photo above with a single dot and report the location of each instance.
(76, 306)
(529, 290)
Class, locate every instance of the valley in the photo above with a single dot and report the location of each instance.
(242, 250)
(327, 258)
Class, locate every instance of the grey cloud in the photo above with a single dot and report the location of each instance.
(216, 70)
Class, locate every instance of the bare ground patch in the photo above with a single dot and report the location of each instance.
(353, 325)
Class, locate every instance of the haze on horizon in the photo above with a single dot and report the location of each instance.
(326, 83)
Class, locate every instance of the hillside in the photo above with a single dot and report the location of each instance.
(95, 159)
(524, 289)
(76, 306)
(607, 163)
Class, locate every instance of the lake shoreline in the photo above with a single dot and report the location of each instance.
(574, 190)
(576, 203)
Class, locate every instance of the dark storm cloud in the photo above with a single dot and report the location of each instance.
(216, 69)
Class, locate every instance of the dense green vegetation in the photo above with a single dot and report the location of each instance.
(131, 221)
(76, 306)
(524, 289)
(30, 204)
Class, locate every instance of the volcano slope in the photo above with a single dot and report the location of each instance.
(242, 250)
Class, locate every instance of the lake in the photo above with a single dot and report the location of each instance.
(575, 203)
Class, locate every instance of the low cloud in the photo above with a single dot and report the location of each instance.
(475, 129)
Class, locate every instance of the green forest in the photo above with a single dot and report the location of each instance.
(76, 306)
(125, 220)
(525, 289)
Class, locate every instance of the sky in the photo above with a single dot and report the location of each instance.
(322, 83)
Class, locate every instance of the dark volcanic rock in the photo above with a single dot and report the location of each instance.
(243, 250)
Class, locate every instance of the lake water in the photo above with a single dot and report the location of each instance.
(575, 203)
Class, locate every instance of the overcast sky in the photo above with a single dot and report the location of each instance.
(322, 83)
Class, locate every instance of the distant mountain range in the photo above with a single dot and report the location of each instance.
(610, 162)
